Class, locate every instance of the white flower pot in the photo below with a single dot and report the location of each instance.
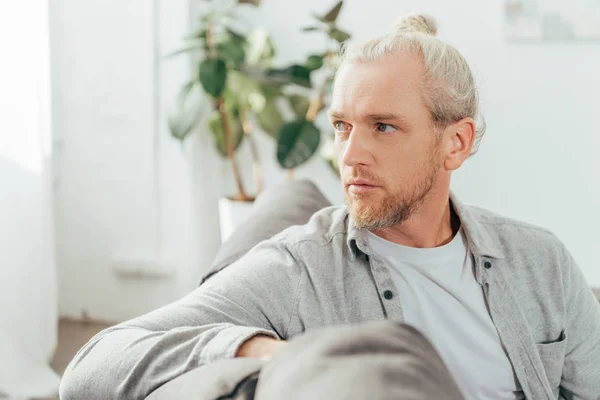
(231, 213)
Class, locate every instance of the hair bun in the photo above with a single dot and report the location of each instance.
(416, 23)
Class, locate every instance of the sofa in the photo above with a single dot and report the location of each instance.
(285, 205)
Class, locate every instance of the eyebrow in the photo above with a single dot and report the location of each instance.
(386, 116)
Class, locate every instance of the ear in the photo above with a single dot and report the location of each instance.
(459, 138)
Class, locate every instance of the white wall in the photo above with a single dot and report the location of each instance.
(537, 162)
(123, 188)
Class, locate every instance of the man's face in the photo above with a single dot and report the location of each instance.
(388, 151)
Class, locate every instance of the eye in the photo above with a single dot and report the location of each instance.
(340, 126)
(386, 127)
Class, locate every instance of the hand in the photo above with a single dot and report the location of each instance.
(260, 346)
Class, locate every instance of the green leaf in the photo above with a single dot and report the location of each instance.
(270, 90)
(232, 47)
(232, 52)
(260, 49)
(297, 74)
(253, 2)
(235, 36)
(299, 105)
(256, 102)
(270, 118)
(311, 29)
(186, 112)
(213, 75)
(321, 19)
(339, 35)
(332, 14)
(297, 142)
(247, 90)
(216, 129)
(314, 62)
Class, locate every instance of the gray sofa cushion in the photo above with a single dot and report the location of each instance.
(376, 360)
(275, 209)
(226, 379)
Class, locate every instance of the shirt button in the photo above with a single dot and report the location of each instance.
(487, 264)
(388, 294)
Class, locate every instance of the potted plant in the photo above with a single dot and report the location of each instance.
(236, 73)
(328, 62)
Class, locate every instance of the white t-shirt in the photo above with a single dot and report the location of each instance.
(441, 298)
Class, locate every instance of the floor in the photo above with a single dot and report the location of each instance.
(72, 335)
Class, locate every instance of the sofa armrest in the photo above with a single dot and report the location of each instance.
(225, 379)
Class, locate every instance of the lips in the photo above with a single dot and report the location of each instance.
(360, 186)
(359, 181)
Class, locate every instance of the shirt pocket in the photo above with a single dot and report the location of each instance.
(553, 358)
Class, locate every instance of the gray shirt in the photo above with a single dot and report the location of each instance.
(325, 273)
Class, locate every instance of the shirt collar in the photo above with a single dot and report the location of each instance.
(479, 240)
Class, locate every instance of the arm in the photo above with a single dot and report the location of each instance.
(260, 346)
(254, 296)
(581, 370)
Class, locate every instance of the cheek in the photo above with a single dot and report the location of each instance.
(394, 157)
(402, 163)
(338, 148)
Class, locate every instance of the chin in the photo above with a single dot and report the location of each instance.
(364, 201)
(360, 207)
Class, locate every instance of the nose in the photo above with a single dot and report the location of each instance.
(356, 149)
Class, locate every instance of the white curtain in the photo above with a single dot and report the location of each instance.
(28, 319)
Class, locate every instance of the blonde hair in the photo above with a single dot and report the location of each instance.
(448, 87)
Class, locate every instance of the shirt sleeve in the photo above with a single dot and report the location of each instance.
(581, 369)
(255, 295)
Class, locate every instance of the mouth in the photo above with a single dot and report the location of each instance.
(360, 186)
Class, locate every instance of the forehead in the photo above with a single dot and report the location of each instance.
(386, 85)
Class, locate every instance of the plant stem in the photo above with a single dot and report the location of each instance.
(256, 169)
(222, 108)
(224, 117)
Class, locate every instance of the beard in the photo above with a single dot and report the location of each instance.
(370, 212)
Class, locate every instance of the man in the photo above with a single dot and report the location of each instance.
(502, 302)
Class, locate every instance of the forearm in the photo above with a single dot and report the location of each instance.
(132, 359)
(129, 363)
(260, 346)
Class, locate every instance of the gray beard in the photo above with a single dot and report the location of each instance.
(394, 210)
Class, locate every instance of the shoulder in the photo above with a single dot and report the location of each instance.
(512, 234)
(534, 263)
(322, 227)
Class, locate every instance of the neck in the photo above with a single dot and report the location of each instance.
(433, 224)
